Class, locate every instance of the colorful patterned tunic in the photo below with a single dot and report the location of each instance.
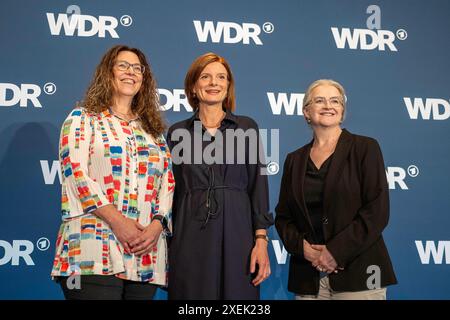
(107, 160)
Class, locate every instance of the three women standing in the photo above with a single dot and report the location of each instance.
(118, 185)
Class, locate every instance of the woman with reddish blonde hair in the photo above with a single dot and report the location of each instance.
(221, 209)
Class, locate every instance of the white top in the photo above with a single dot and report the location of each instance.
(107, 160)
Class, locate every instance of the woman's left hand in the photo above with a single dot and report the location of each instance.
(260, 257)
(148, 239)
(326, 261)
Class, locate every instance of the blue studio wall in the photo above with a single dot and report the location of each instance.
(391, 56)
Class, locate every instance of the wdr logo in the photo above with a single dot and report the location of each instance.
(21, 249)
(436, 109)
(364, 39)
(231, 32)
(397, 175)
(368, 39)
(430, 250)
(173, 100)
(291, 103)
(25, 93)
(281, 253)
(83, 25)
(50, 173)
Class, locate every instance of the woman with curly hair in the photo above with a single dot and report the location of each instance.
(117, 186)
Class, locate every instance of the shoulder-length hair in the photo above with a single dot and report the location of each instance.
(145, 103)
(193, 75)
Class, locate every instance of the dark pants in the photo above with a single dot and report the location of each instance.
(96, 287)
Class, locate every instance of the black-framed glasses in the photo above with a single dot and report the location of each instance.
(124, 66)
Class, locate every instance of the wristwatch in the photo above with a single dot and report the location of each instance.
(160, 218)
(262, 236)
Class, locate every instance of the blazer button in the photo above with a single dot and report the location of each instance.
(325, 220)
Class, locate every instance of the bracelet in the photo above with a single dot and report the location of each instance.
(262, 236)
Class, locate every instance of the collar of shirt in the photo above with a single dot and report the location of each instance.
(229, 116)
(109, 113)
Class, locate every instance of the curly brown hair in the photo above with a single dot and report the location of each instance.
(145, 103)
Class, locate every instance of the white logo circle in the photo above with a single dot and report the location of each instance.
(43, 244)
(268, 27)
(273, 168)
(401, 34)
(126, 20)
(49, 88)
(413, 171)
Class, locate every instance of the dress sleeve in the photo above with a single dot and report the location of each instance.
(258, 188)
(80, 193)
(166, 190)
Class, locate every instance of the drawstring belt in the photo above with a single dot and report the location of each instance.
(211, 201)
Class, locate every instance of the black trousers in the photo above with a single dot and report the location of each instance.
(97, 287)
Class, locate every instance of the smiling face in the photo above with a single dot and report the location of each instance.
(126, 83)
(326, 107)
(211, 87)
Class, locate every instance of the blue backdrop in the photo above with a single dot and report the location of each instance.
(391, 56)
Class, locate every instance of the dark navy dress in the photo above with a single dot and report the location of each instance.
(217, 208)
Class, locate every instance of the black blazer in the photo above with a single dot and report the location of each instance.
(355, 208)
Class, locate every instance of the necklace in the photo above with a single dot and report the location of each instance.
(126, 116)
(217, 123)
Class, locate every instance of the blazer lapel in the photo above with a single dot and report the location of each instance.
(334, 172)
(298, 178)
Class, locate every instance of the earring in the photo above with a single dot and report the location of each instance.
(308, 120)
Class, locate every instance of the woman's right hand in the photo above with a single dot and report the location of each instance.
(126, 231)
(309, 252)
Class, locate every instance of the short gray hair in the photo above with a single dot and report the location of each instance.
(324, 82)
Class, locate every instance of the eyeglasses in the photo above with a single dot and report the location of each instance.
(332, 102)
(124, 66)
